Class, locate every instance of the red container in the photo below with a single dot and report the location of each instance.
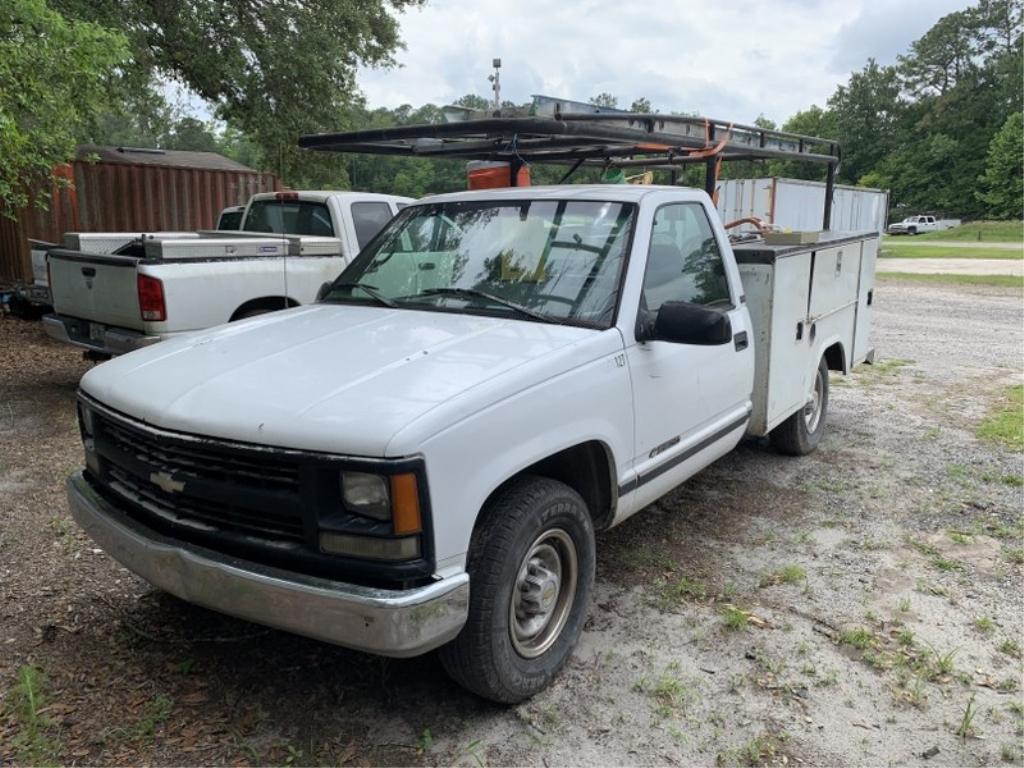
(129, 189)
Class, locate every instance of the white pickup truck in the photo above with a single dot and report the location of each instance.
(918, 225)
(421, 459)
(154, 286)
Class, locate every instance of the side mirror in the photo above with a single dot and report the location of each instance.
(680, 322)
(323, 291)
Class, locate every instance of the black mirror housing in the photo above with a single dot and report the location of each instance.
(680, 322)
(322, 291)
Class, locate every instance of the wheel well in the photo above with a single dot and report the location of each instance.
(270, 303)
(587, 469)
(835, 357)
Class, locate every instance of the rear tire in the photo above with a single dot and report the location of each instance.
(531, 569)
(800, 433)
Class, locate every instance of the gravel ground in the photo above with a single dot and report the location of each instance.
(952, 266)
(845, 608)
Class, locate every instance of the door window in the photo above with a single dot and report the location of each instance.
(369, 219)
(684, 262)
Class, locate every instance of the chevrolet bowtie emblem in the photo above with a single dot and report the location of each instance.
(166, 482)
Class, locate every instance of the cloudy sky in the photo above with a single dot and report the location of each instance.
(730, 59)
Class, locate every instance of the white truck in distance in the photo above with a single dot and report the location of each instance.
(918, 225)
(155, 286)
(421, 459)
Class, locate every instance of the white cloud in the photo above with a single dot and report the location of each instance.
(732, 61)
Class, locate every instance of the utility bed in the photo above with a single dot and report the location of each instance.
(798, 296)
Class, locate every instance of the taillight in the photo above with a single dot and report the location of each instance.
(151, 299)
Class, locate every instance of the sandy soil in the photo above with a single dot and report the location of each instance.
(845, 608)
(956, 243)
(953, 266)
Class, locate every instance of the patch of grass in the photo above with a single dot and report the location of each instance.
(1004, 423)
(1014, 554)
(905, 250)
(985, 625)
(667, 690)
(1010, 648)
(966, 727)
(761, 750)
(904, 605)
(1011, 753)
(885, 367)
(999, 281)
(945, 564)
(959, 537)
(734, 618)
(859, 638)
(155, 714)
(976, 232)
(787, 574)
(684, 588)
(32, 743)
(905, 637)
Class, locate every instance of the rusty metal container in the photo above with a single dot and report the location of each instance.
(126, 189)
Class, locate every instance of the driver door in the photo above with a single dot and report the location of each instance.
(687, 397)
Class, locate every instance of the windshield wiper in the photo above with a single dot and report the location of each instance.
(473, 293)
(369, 290)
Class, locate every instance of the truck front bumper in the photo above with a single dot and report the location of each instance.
(399, 623)
(96, 337)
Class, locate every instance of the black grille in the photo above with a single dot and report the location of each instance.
(212, 489)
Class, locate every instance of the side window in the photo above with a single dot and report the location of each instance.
(369, 219)
(683, 260)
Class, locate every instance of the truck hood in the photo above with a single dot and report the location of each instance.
(340, 379)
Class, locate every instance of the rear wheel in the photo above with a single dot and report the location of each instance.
(531, 568)
(800, 433)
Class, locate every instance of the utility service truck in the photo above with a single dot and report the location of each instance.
(918, 225)
(421, 459)
(145, 288)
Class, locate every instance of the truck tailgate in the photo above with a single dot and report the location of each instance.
(102, 289)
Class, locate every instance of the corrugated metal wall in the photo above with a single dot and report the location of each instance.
(124, 197)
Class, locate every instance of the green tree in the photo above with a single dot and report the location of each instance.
(52, 73)
(641, 105)
(604, 100)
(274, 70)
(1003, 181)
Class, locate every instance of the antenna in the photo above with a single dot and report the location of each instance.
(495, 80)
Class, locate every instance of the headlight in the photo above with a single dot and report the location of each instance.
(85, 414)
(366, 494)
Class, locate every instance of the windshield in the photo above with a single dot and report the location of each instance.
(289, 217)
(549, 260)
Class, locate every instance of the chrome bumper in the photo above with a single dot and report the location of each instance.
(398, 623)
(109, 340)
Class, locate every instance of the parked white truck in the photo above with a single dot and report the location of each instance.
(150, 287)
(421, 459)
(918, 225)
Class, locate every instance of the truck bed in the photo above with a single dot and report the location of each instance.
(804, 300)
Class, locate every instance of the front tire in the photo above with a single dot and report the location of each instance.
(800, 433)
(531, 568)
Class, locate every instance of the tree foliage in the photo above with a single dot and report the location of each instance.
(1002, 183)
(52, 75)
(273, 70)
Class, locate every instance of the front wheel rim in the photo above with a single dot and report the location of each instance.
(544, 593)
(813, 409)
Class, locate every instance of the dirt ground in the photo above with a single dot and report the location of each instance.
(859, 606)
(953, 266)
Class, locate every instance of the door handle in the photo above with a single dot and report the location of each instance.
(740, 340)
(89, 271)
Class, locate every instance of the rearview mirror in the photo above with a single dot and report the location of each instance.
(683, 323)
(323, 291)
